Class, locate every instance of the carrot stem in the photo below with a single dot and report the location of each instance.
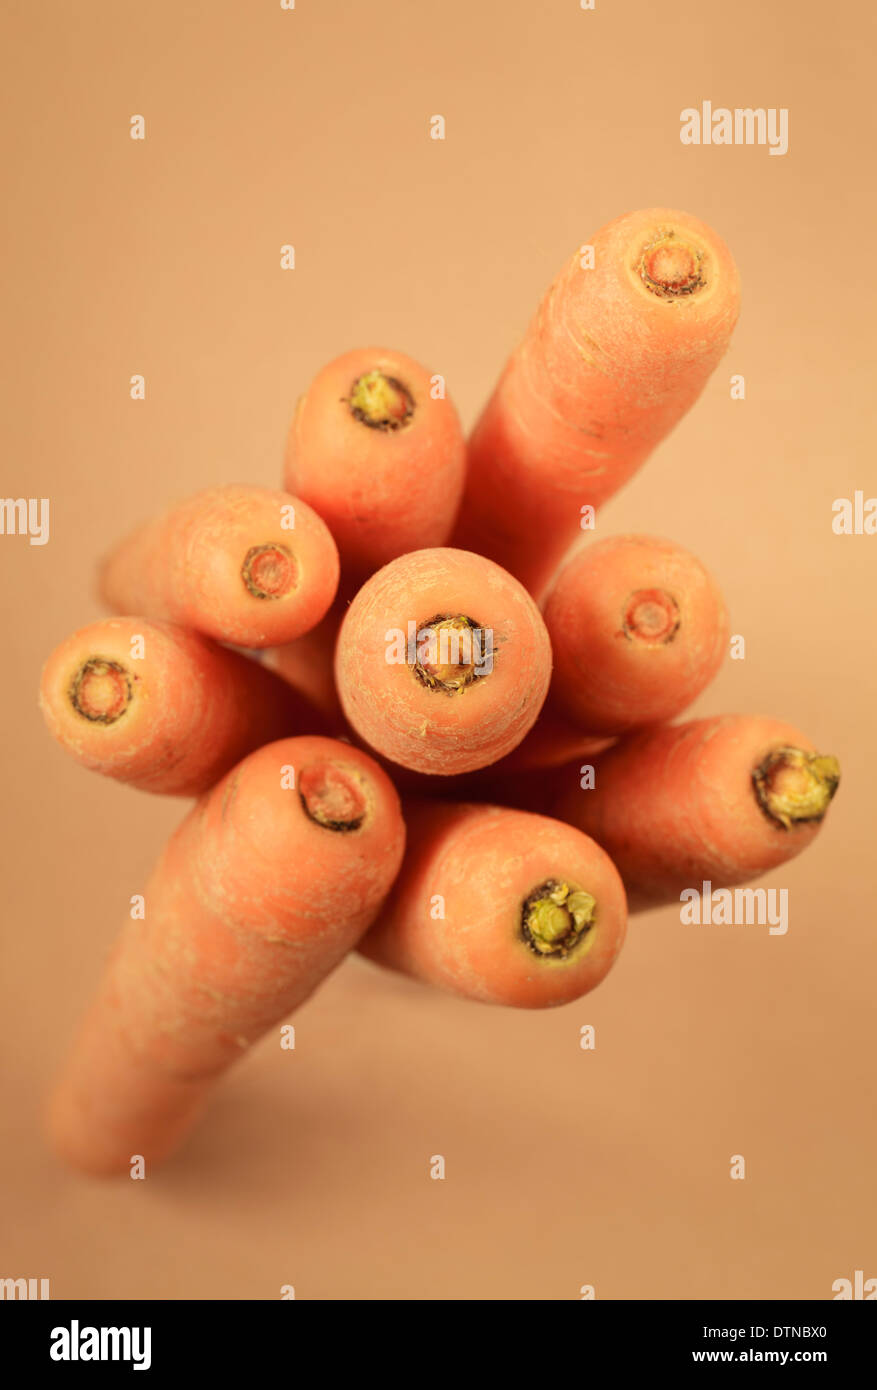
(269, 571)
(381, 402)
(651, 616)
(669, 267)
(332, 798)
(453, 666)
(793, 786)
(101, 690)
(555, 917)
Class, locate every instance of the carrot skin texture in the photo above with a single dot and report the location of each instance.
(250, 907)
(484, 861)
(638, 629)
(225, 563)
(191, 708)
(606, 369)
(675, 806)
(382, 492)
(430, 730)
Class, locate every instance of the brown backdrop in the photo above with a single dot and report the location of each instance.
(311, 127)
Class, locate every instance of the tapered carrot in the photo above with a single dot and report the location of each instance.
(162, 708)
(269, 880)
(500, 906)
(620, 348)
(376, 448)
(244, 565)
(442, 661)
(718, 800)
(638, 629)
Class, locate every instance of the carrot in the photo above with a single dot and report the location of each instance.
(256, 898)
(527, 777)
(162, 708)
(379, 455)
(638, 629)
(613, 359)
(442, 662)
(308, 663)
(719, 800)
(500, 906)
(242, 564)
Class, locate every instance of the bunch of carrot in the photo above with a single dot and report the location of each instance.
(432, 631)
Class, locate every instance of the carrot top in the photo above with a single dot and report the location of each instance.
(793, 786)
(670, 267)
(381, 402)
(269, 571)
(101, 690)
(556, 917)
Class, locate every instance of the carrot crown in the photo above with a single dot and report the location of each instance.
(381, 402)
(269, 571)
(101, 690)
(555, 918)
(332, 797)
(793, 786)
(670, 268)
(449, 653)
(651, 616)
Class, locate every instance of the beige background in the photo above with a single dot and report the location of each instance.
(264, 127)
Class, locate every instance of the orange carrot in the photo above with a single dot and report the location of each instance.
(638, 629)
(242, 564)
(442, 662)
(500, 906)
(162, 708)
(718, 800)
(308, 663)
(380, 455)
(620, 348)
(269, 880)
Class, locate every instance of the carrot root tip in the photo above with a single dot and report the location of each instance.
(381, 402)
(332, 797)
(269, 571)
(670, 268)
(651, 617)
(101, 690)
(793, 787)
(449, 653)
(555, 918)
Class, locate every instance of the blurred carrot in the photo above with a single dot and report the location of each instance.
(442, 662)
(379, 455)
(719, 800)
(638, 629)
(267, 883)
(244, 565)
(619, 350)
(162, 708)
(308, 663)
(500, 906)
